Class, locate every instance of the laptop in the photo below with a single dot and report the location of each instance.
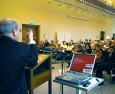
(80, 70)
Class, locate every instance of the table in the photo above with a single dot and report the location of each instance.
(94, 82)
(40, 73)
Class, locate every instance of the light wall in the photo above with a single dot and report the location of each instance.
(52, 18)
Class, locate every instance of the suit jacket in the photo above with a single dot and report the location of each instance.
(14, 56)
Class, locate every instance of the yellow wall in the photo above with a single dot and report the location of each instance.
(52, 18)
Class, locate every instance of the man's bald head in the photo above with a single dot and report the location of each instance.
(7, 26)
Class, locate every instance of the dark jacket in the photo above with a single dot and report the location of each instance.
(112, 58)
(14, 56)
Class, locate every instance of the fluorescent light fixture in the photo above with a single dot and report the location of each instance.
(73, 17)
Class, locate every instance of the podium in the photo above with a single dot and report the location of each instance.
(40, 73)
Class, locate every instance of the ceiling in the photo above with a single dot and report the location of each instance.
(99, 7)
(110, 3)
(105, 5)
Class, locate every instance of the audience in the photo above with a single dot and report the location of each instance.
(103, 49)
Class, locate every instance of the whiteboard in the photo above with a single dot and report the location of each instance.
(60, 36)
(64, 36)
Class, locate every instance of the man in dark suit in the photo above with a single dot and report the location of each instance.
(14, 56)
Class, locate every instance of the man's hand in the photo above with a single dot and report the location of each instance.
(31, 35)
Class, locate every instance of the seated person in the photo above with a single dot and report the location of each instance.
(46, 43)
(52, 44)
(57, 51)
(70, 46)
(79, 47)
(58, 47)
(113, 44)
(87, 48)
(41, 43)
(107, 64)
(64, 46)
(99, 54)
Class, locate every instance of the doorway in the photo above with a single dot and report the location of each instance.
(102, 35)
(113, 38)
(36, 33)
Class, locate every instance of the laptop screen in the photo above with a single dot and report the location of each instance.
(82, 63)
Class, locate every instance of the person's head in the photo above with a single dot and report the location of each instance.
(86, 40)
(97, 47)
(9, 27)
(113, 43)
(52, 42)
(46, 40)
(79, 43)
(111, 49)
(64, 43)
(87, 46)
(70, 43)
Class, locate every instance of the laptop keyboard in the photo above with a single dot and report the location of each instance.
(73, 78)
(76, 76)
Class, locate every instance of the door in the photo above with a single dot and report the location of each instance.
(102, 35)
(36, 33)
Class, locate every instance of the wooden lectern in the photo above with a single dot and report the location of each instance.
(40, 73)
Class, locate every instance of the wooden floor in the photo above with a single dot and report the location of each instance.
(107, 88)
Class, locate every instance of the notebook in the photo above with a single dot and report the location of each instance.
(80, 70)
